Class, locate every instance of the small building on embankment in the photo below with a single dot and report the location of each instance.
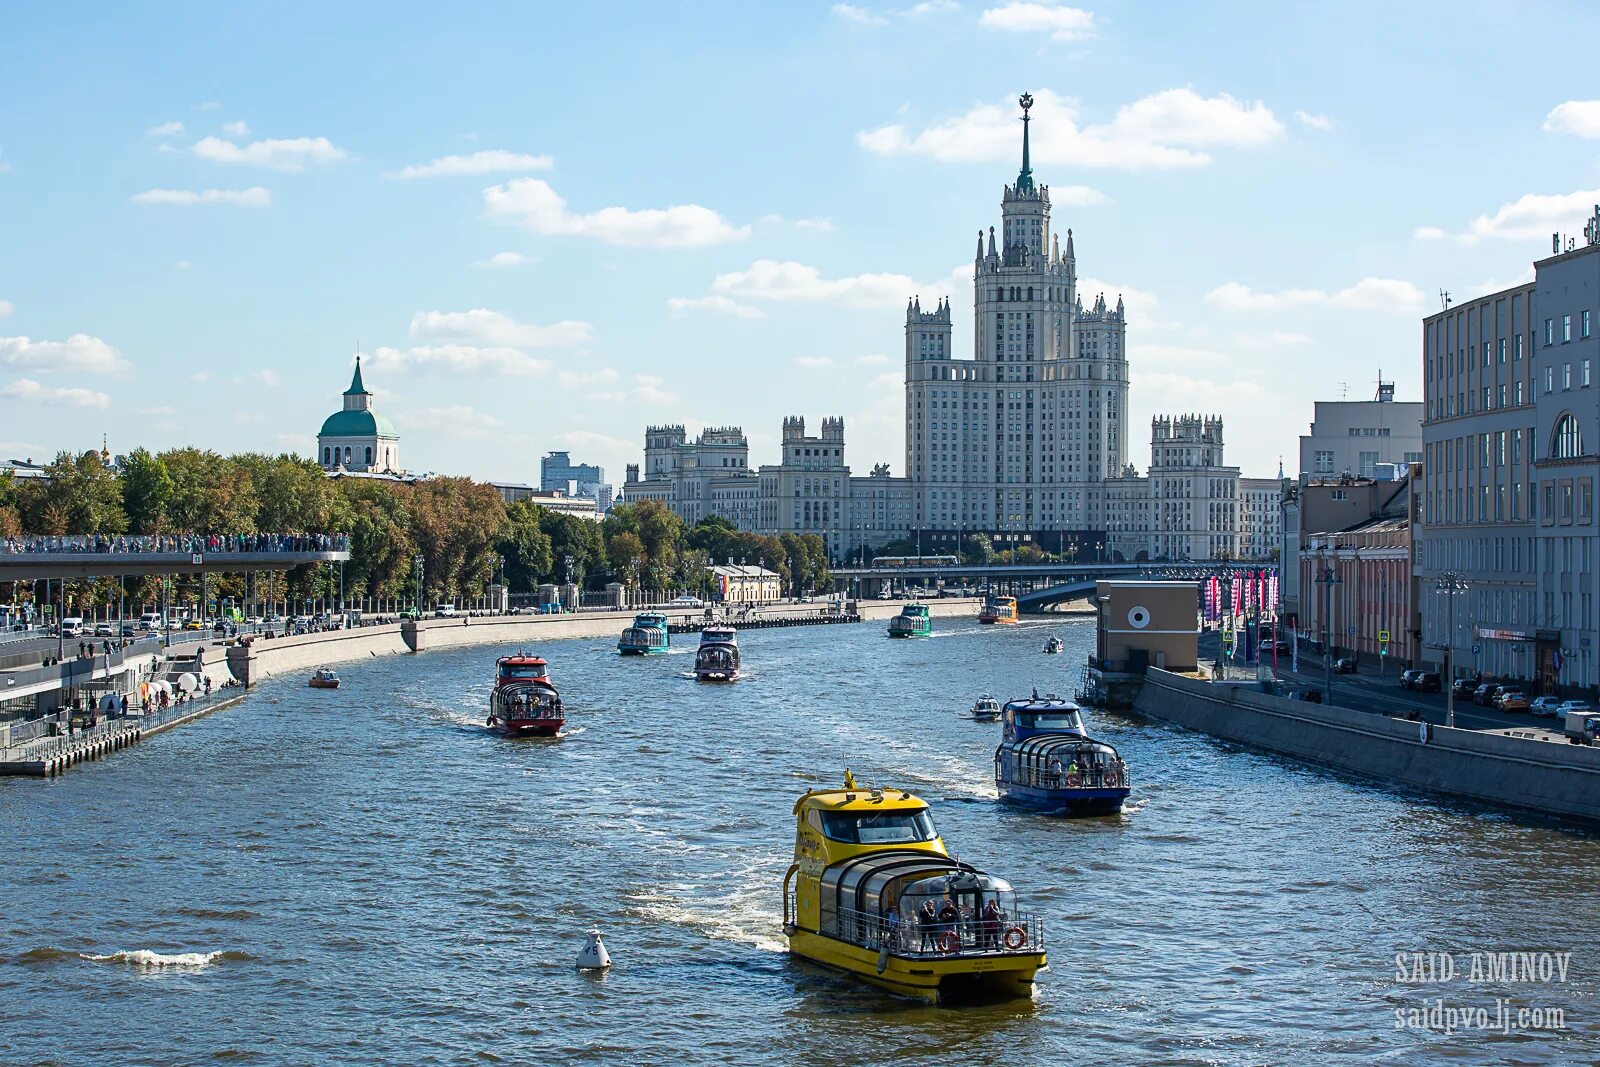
(1139, 625)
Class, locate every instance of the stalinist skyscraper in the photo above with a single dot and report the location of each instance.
(1019, 437)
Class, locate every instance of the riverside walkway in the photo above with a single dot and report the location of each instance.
(78, 556)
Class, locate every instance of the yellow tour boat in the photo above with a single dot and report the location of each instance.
(873, 891)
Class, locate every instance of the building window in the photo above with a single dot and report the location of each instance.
(369, 455)
(1585, 378)
(1566, 376)
(1549, 331)
(1585, 324)
(1549, 379)
(1566, 328)
(1567, 443)
(327, 461)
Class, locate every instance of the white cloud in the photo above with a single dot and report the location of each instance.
(1369, 294)
(722, 305)
(166, 129)
(646, 389)
(589, 439)
(1162, 130)
(182, 264)
(1164, 391)
(255, 196)
(30, 391)
(6, 308)
(1314, 122)
(1061, 23)
(457, 420)
(506, 259)
(80, 354)
(1535, 215)
(295, 443)
(876, 359)
(1428, 233)
(1580, 118)
(859, 15)
(209, 105)
(1077, 196)
(929, 7)
(813, 361)
(578, 379)
(489, 161)
(266, 377)
(234, 129)
(200, 376)
(531, 202)
(290, 154)
(482, 326)
(768, 279)
(460, 359)
(1493, 286)
(818, 225)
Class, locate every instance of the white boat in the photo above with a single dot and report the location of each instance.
(717, 658)
(985, 709)
(1054, 646)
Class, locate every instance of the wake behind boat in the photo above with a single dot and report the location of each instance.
(717, 658)
(1047, 760)
(524, 702)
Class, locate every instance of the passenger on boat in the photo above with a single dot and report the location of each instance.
(949, 922)
(927, 920)
(892, 930)
(993, 919)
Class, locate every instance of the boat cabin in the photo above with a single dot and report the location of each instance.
(719, 635)
(1049, 713)
(521, 668)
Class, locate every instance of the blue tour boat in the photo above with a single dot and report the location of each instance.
(1047, 760)
(647, 636)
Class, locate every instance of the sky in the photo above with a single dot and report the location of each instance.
(548, 226)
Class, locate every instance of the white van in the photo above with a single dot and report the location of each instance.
(72, 626)
(150, 620)
(444, 610)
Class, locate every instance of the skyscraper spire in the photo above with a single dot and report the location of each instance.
(1025, 178)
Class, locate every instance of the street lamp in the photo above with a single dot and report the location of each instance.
(1327, 579)
(1452, 585)
(417, 560)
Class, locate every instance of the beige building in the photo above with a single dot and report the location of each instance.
(736, 584)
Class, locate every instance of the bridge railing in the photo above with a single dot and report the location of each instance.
(132, 544)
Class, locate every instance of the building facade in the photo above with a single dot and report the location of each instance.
(357, 438)
(1354, 436)
(558, 474)
(1020, 436)
(745, 584)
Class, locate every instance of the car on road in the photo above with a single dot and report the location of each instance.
(102, 629)
(1344, 665)
(1310, 696)
(1545, 707)
(1407, 677)
(128, 630)
(1420, 681)
(1511, 700)
(687, 601)
(193, 624)
(1485, 694)
(1465, 687)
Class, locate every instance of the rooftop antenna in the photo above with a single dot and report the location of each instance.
(1344, 390)
(1444, 299)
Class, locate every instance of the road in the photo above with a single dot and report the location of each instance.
(1383, 695)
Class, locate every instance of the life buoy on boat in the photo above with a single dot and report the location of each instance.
(1016, 937)
(949, 942)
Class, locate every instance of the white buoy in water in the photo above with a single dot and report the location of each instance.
(593, 956)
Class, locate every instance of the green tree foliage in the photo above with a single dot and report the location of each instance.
(658, 530)
(210, 493)
(578, 540)
(526, 548)
(146, 492)
(977, 548)
(79, 495)
(457, 523)
(627, 554)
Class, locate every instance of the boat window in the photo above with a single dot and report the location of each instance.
(523, 670)
(878, 828)
(1044, 720)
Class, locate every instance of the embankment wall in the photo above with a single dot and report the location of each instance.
(1543, 776)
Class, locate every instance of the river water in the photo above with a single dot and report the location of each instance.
(366, 876)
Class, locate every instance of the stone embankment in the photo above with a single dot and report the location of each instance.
(1548, 777)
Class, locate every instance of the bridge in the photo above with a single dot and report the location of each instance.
(38, 558)
(1037, 586)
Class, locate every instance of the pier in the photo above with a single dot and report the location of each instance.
(765, 623)
(43, 748)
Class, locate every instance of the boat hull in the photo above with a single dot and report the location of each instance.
(996, 621)
(525, 727)
(909, 633)
(642, 650)
(991, 976)
(715, 676)
(1065, 801)
(319, 684)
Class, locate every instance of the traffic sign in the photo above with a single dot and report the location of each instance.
(1383, 635)
(1475, 649)
(1351, 631)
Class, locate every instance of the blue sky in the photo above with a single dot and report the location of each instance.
(553, 224)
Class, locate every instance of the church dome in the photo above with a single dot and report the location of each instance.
(366, 423)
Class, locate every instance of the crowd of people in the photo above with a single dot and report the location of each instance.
(945, 927)
(173, 543)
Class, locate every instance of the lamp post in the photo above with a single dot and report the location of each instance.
(1327, 579)
(1452, 585)
(417, 562)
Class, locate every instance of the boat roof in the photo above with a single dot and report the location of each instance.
(855, 797)
(1048, 702)
(523, 658)
(721, 631)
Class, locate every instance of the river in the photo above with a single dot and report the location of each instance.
(366, 876)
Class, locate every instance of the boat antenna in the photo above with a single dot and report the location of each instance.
(1036, 692)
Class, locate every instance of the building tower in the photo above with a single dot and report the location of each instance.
(358, 438)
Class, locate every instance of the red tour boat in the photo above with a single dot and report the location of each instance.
(524, 703)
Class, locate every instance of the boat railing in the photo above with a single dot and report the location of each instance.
(968, 935)
(1112, 776)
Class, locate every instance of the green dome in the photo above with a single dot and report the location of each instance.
(357, 424)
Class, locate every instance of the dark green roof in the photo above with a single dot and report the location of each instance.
(356, 388)
(357, 424)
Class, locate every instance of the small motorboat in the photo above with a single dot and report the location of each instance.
(717, 658)
(913, 621)
(1047, 761)
(985, 709)
(1054, 647)
(324, 679)
(524, 702)
(647, 636)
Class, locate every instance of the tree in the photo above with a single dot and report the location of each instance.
(456, 523)
(210, 493)
(525, 547)
(575, 539)
(78, 495)
(627, 555)
(977, 548)
(146, 492)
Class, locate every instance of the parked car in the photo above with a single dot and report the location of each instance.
(102, 629)
(1545, 707)
(1465, 687)
(128, 630)
(687, 601)
(1427, 682)
(1310, 696)
(1579, 722)
(1344, 665)
(1407, 678)
(1485, 694)
(1511, 700)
